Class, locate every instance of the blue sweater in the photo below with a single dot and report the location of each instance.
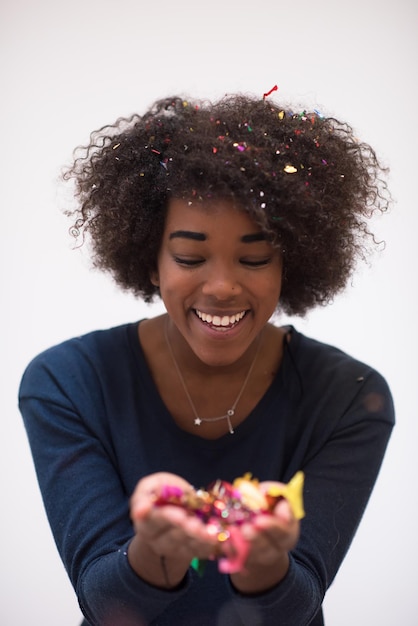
(96, 425)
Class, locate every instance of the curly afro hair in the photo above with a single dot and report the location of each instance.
(304, 178)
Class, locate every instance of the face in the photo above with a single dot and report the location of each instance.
(219, 279)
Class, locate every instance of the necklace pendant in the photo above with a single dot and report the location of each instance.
(228, 419)
(197, 421)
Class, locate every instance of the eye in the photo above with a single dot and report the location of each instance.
(187, 262)
(256, 262)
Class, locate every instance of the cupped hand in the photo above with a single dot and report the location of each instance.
(167, 532)
(270, 538)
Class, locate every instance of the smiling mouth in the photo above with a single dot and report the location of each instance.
(224, 321)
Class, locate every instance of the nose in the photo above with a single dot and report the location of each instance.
(221, 283)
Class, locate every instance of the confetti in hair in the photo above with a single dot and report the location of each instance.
(311, 170)
(268, 93)
(290, 169)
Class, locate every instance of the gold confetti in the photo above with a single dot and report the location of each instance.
(293, 492)
(290, 169)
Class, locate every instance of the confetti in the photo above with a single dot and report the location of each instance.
(225, 506)
(240, 146)
(275, 88)
(290, 169)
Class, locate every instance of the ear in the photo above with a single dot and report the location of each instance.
(154, 278)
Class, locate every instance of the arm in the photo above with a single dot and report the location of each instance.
(85, 499)
(341, 467)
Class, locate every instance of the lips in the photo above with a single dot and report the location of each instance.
(220, 321)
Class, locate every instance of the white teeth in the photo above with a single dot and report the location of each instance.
(217, 320)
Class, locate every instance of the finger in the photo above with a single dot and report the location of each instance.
(185, 541)
(283, 513)
(159, 520)
(267, 485)
(281, 517)
(148, 488)
(281, 530)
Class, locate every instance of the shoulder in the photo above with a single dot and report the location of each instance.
(313, 355)
(75, 361)
(327, 374)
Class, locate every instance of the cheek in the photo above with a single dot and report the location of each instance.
(269, 294)
(174, 285)
(269, 285)
(166, 275)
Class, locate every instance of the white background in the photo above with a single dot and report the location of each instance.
(70, 67)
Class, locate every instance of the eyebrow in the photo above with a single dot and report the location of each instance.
(188, 234)
(195, 236)
(253, 237)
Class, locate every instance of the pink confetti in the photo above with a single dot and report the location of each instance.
(236, 561)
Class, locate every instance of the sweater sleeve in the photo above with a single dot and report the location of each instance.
(85, 500)
(342, 461)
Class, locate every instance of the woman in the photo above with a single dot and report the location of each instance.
(229, 212)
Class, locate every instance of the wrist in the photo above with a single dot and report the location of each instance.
(260, 578)
(155, 569)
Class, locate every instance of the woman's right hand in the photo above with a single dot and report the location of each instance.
(166, 537)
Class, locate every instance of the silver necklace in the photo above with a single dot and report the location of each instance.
(231, 412)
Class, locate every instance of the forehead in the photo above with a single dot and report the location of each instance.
(208, 216)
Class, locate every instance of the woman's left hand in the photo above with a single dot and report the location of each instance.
(269, 540)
